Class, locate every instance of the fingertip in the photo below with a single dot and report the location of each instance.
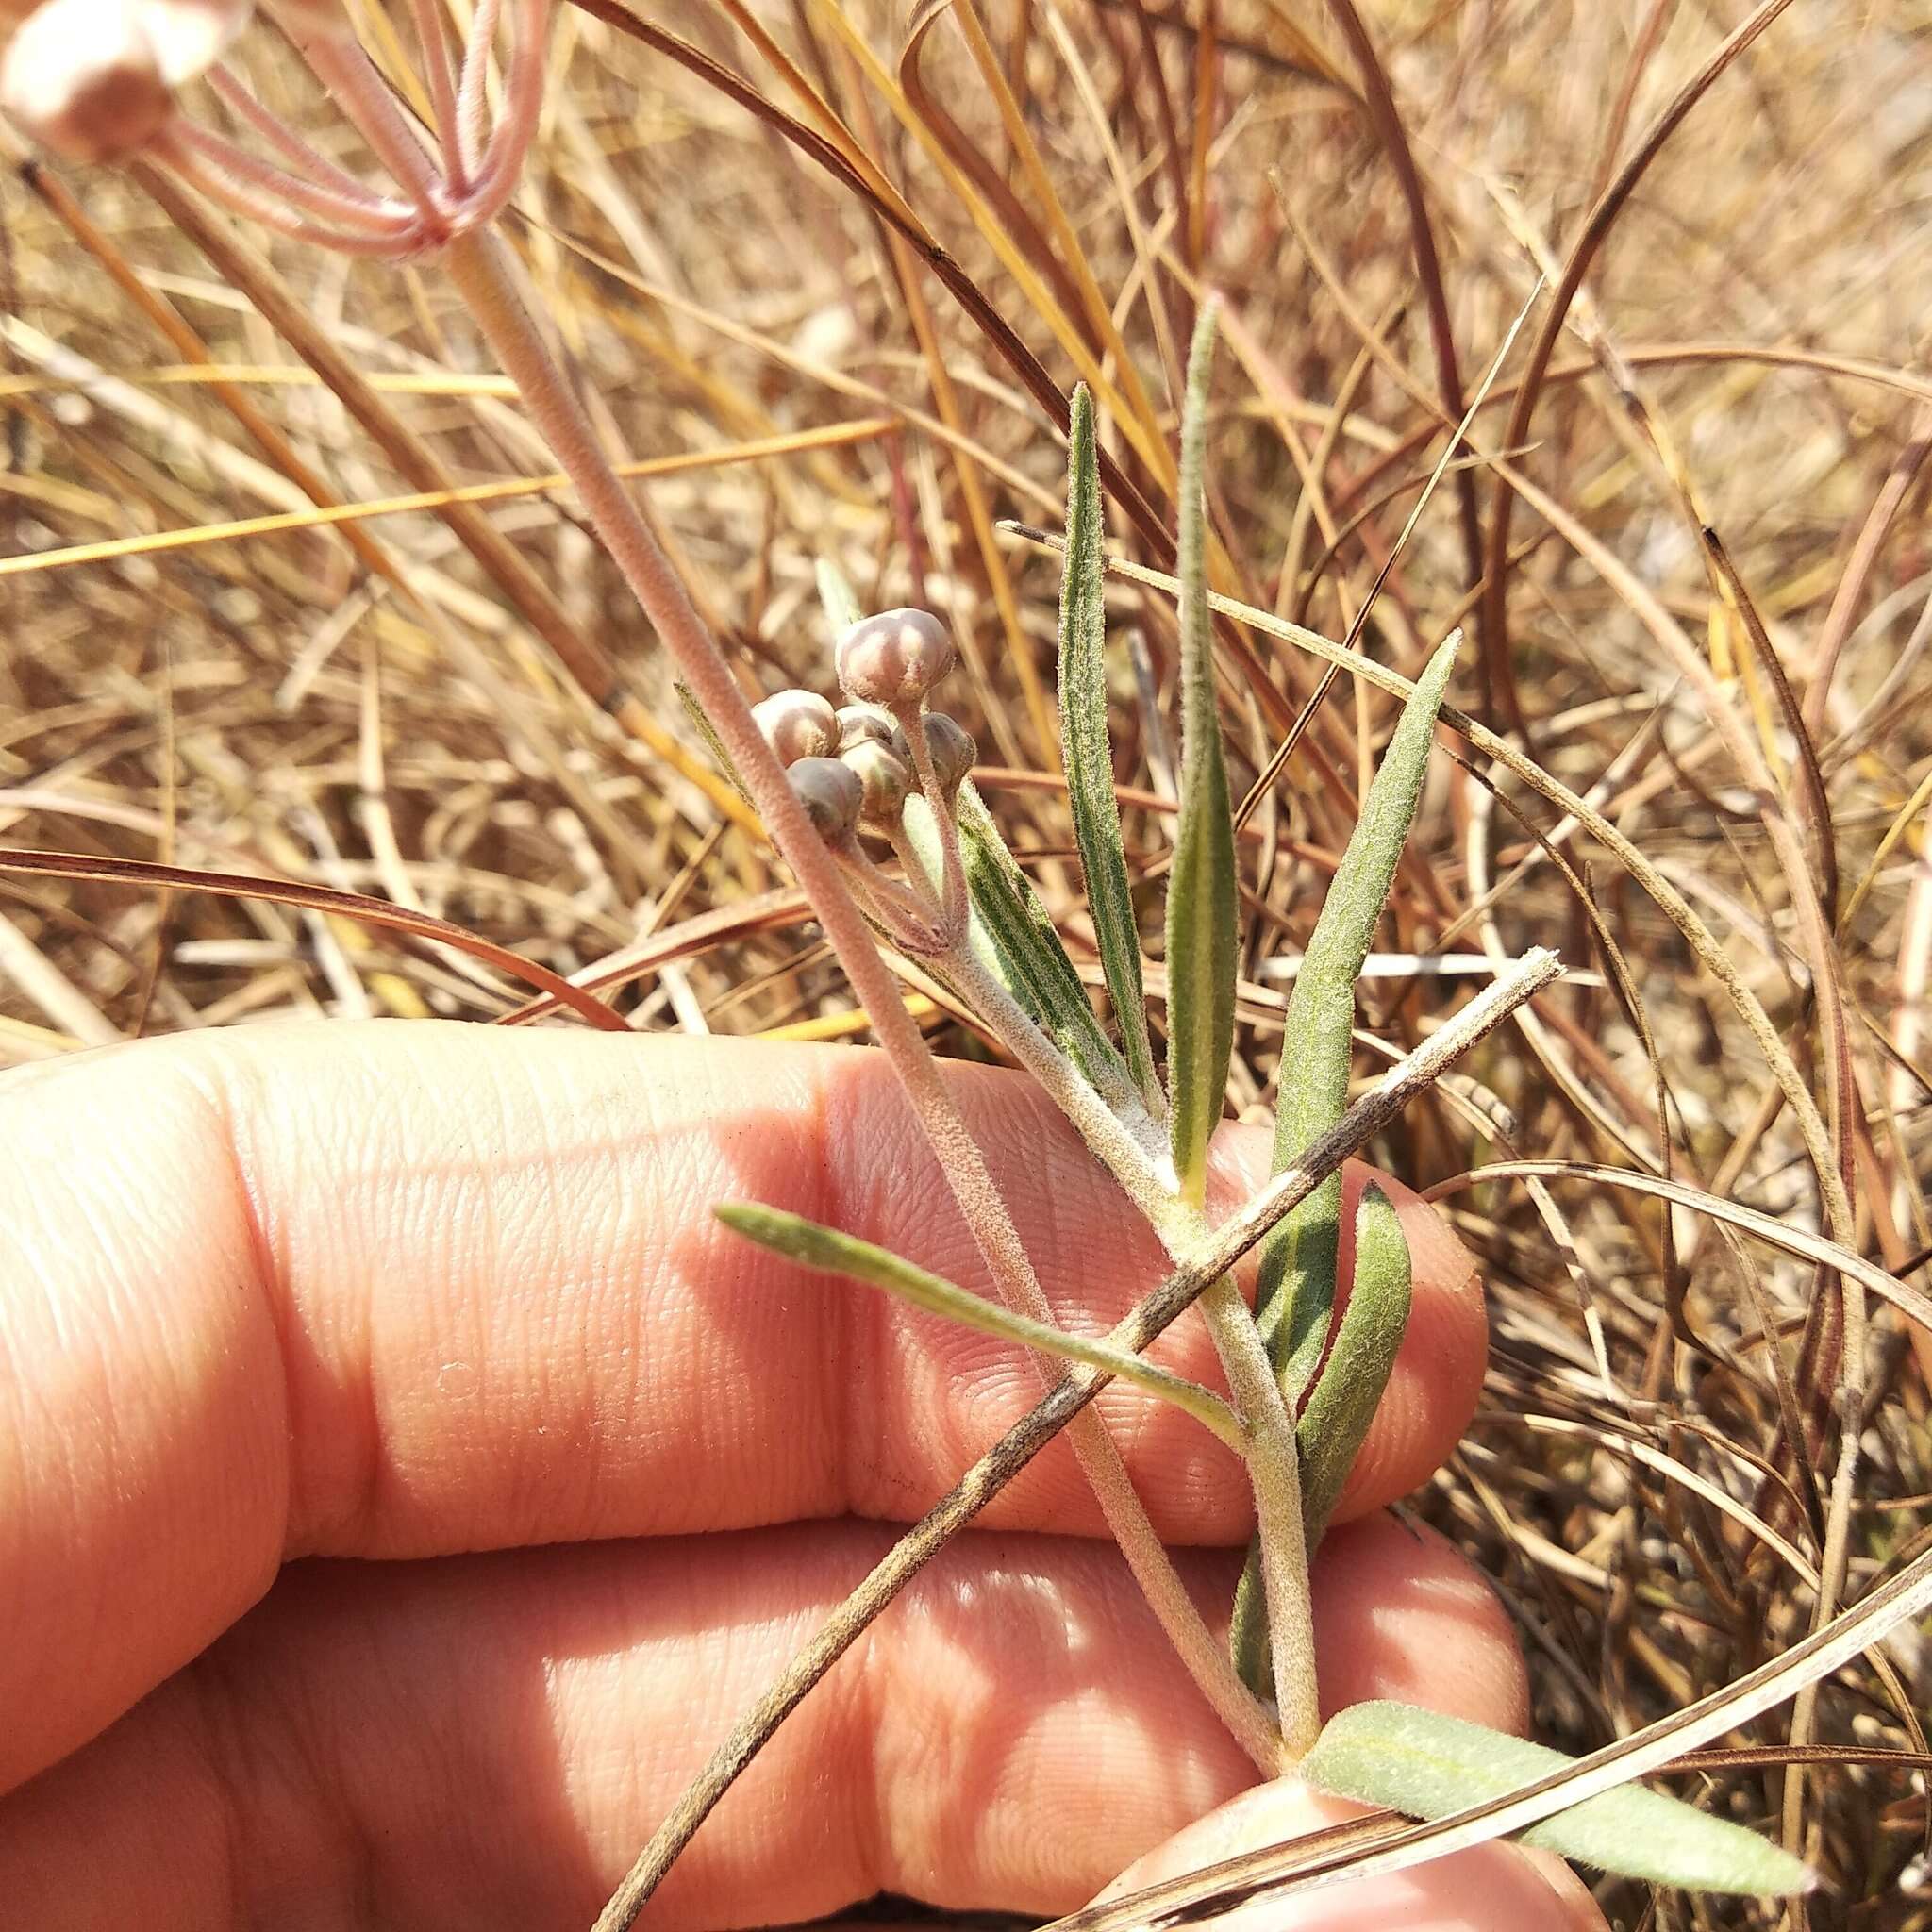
(1494, 1887)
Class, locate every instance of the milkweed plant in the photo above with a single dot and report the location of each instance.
(871, 803)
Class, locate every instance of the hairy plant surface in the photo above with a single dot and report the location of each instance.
(294, 592)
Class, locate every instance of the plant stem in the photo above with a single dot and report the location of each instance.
(501, 165)
(1274, 1473)
(1271, 1457)
(479, 265)
(896, 908)
(339, 63)
(432, 35)
(952, 899)
(1148, 1183)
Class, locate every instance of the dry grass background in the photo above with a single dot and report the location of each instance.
(383, 707)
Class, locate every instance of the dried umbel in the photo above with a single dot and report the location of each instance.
(94, 80)
(894, 659)
(100, 80)
(797, 724)
(831, 794)
(884, 777)
(950, 746)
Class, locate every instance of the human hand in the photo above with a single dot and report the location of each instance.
(404, 1481)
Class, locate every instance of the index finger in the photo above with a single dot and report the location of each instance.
(398, 1289)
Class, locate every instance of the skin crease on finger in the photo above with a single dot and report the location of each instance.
(392, 1291)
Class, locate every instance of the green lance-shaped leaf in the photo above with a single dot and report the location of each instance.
(1201, 935)
(1344, 1405)
(702, 724)
(833, 1253)
(1015, 938)
(1428, 1766)
(836, 597)
(1087, 750)
(1337, 1418)
(1296, 1291)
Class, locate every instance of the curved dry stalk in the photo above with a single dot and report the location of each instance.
(1595, 229)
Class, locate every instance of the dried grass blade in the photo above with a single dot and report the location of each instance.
(424, 925)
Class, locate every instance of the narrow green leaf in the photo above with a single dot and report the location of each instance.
(1087, 750)
(833, 1253)
(1332, 1427)
(1296, 1291)
(1344, 1405)
(708, 732)
(1015, 938)
(1202, 934)
(836, 596)
(1428, 1766)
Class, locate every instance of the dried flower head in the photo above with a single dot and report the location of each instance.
(94, 80)
(885, 777)
(951, 747)
(797, 724)
(831, 794)
(893, 658)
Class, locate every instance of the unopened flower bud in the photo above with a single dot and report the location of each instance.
(868, 724)
(895, 657)
(884, 777)
(831, 794)
(950, 746)
(82, 78)
(797, 724)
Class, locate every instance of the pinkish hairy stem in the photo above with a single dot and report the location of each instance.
(302, 157)
(890, 906)
(495, 178)
(207, 177)
(432, 34)
(339, 63)
(953, 900)
(354, 207)
(472, 93)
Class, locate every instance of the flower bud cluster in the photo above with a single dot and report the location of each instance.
(886, 665)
